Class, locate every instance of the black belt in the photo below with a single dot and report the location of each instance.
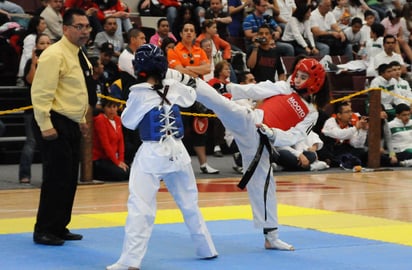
(273, 157)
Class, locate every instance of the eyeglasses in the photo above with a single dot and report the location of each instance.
(192, 61)
(81, 27)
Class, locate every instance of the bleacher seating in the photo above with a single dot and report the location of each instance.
(12, 141)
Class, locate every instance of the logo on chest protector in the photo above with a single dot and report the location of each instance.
(296, 107)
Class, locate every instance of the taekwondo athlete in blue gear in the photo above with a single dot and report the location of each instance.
(152, 107)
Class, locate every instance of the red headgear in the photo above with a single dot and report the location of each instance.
(316, 75)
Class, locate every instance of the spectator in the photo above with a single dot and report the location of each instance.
(344, 140)
(118, 10)
(110, 35)
(297, 31)
(192, 60)
(60, 103)
(36, 26)
(286, 9)
(220, 48)
(302, 156)
(386, 56)
(237, 11)
(374, 44)
(402, 87)
(111, 70)
(42, 41)
(167, 43)
(95, 84)
(185, 14)
(135, 39)
(386, 81)
(221, 18)
(394, 25)
(255, 20)
(342, 13)
(329, 37)
(401, 135)
(264, 60)
(108, 145)
(370, 19)
(53, 18)
(163, 31)
(207, 45)
(353, 34)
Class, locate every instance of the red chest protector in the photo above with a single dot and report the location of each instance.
(283, 111)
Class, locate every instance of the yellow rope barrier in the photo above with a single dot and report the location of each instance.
(214, 115)
(361, 92)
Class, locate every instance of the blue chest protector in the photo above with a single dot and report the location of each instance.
(156, 125)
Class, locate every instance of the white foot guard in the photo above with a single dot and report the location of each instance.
(273, 242)
(118, 266)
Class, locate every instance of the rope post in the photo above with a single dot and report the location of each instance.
(374, 132)
(86, 166)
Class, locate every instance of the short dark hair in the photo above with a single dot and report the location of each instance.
(369, 13)
(402, 107)
(94, 60)
(68, 15)
(242, 76)
(395, 64)
(383, 67)
(356, 20)
(132, 33)
(385, 38)
(378, 29)
(338, 106)
(159, 21)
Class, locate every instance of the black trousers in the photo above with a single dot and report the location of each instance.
(106, 170)
(61, 159)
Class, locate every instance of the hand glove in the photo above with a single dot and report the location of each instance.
(269, 132)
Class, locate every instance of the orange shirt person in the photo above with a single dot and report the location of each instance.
(186, 57)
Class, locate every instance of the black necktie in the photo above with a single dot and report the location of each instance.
(84, 65)
(87, 73)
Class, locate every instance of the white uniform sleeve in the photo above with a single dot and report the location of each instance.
(296, 133)
(258, 91)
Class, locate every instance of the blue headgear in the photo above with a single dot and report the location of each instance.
(149, 59)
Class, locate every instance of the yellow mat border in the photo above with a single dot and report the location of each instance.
(373, 228)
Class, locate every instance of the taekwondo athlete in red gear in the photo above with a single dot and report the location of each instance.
(286, 115)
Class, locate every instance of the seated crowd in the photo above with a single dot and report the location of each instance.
(204, 39)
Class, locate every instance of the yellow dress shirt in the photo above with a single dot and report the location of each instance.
(59, 85)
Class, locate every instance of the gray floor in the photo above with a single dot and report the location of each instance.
(9, 173)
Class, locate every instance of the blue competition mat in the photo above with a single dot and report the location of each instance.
(240, 246)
